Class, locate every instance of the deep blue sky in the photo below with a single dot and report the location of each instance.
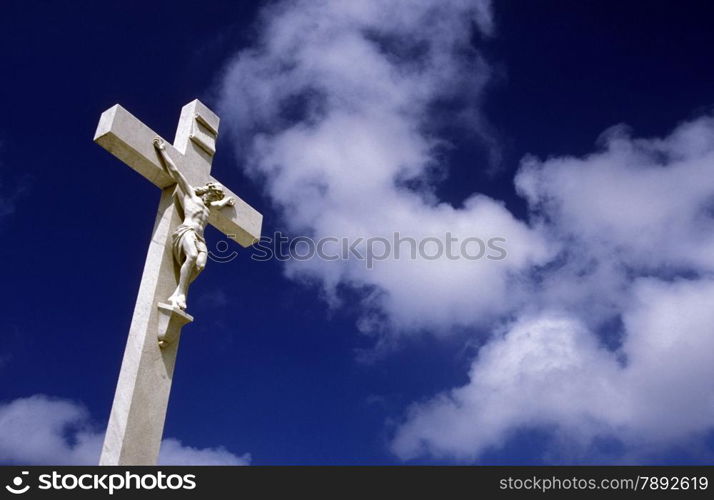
(275, 372)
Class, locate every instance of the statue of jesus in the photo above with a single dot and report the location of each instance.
(188, 243)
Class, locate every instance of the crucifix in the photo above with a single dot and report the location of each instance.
(190, 199)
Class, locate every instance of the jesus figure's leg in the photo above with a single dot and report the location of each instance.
(201, 259)
(188, 268)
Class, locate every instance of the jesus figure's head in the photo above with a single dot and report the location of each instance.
(211, 192)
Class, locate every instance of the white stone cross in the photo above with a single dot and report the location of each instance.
(137, 418)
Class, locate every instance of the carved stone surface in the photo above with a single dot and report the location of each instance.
(127, 138)
(137, 417)
(188, 243)
(171, 320)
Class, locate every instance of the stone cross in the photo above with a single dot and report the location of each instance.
(137, 418)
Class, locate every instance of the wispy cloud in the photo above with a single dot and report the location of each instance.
(336, 103)
(213, 299)
(10, 191)
(173, 452)
(7, 205)
(600, 314)
(42, 430)
(617, 340)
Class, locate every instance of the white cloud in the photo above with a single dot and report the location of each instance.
(637, 207)
(634, 216)
(33, 431)
(549, 371)
(175, 453)
(332, 111)
(42, 430)
(642, 201)
(362, 130)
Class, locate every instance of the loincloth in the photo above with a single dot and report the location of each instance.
(177, 241)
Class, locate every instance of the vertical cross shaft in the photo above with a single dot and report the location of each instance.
(136, 423)
(139, 409)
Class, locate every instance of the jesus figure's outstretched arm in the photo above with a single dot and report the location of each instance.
(227, 201)
(174, 172)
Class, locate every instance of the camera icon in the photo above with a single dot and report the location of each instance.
(16, 488)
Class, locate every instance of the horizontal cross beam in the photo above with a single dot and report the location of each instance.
(130, 140)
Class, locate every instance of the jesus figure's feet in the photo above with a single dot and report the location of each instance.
(178, 300)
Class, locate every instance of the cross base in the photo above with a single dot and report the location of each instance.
(171, 320)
